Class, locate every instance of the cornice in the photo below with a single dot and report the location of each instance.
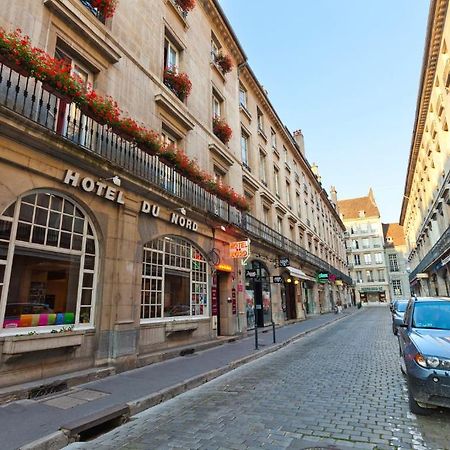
(435, 28)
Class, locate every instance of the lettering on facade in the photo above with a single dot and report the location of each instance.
(147, 208)
(99, 188)
(183, 222)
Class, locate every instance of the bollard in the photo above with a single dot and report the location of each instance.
(273, 331)
(256, 337)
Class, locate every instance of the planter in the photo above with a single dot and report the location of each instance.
(87, 111)
(26, 344)
(52, 90)
(21, 70)
(124, 135)
(151, 150)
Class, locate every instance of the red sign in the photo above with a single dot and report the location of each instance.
(233, 301)
(214, 305)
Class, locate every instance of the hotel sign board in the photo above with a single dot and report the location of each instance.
(240, 249)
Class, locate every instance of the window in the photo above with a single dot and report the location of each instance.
(378, 258)
(393, 263)
(367, 258)
(52, 266)
(355, 244)
(279, 225)
(171, 56)
(357, 260)
(266, 215)
(262, 167)
(216, 106)
(369, 276)
(273, 138)
(276, 180)
(381, 275)
(174, 280)
(286, 156)
(397, 287)
(244, 147)
(215, 48)
(167, 137)
(365, 243)
(288, 193)
(243, 97)
(260, 120)
(359, 276)
(299, 204)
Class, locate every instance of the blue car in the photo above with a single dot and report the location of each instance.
(398, 312)
(424, 339)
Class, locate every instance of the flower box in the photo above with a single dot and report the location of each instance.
(178, 83)
(20, 69)
(87, 111)
(32, 343)
(57, 93)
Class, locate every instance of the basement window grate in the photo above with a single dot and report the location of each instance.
(49, 389)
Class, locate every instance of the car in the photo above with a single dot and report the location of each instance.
(424, 341)
(398, 312)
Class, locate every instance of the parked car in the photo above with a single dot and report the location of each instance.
(424, 340)
(398, 312)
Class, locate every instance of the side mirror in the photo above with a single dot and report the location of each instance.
(398, 322)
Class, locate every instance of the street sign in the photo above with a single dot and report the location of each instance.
(277, 279)
(240, 249)
(283, 261)
(322, 277)
(250, 273)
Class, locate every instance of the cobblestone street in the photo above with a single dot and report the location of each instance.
(339, 388)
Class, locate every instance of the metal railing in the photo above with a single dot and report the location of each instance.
(93, 10)
(438, 249)
(29, 98)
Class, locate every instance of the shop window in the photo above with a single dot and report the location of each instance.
(174, 280)
(51, 263)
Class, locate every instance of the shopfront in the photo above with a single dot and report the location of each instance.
(48, 264)
(257, 295)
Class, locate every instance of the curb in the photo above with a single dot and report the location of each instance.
(59, 439)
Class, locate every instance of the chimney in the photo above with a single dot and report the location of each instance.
(333, 195)
(371, 196)
(298, 138)
(315, 171)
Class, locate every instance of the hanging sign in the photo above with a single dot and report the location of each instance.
(240, 249)
(283, 261)
(322, 277)
(250, 273)
(233, 301)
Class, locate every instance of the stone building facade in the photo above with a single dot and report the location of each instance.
(425, 213)
(107, 254)
(365, 248)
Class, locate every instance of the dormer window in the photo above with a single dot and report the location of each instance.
(361, 213)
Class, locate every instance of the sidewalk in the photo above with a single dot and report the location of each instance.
(52, 422)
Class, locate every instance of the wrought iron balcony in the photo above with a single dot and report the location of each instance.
(28, 98)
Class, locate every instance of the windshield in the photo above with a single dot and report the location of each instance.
(432, 315)
(401, 307)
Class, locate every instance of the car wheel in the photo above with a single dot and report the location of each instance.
(415, 408)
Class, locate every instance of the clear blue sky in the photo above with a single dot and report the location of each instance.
(346, 72)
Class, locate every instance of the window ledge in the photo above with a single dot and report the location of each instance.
(180, 114)
(180, 327)
(178, 13)
(222, 154)
(218, 70)
(88, 26)
(245, 111)
(14, 345)
(262, 134)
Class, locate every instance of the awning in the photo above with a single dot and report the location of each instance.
(299, 274)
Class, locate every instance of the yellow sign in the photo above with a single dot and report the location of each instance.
(240, 249)
(339, 283)
(224, 268)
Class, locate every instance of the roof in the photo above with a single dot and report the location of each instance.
(395, 232)
(350, 208)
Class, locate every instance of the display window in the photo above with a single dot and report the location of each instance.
(48, 262)
(174, 280)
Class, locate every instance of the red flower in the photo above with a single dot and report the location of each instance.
(179, 83)
(224, 62)
(185, 5)
(106, 7)
(222, 130)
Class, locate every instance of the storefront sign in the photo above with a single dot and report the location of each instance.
(223, 268)
(339, 283)
(250, 273)
(240, 249)
(214, 305)
(283, 261)
(277, 279)
(322, 277)
(332, 277)
(98, 187)
(372, 289)
(233, 301)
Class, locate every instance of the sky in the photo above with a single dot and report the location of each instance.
(345, 72)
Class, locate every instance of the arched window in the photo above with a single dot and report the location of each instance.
(174, 280)
(48, 263)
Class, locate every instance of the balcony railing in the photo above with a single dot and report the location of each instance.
(27, 97)
(93, 10)
(438, 250)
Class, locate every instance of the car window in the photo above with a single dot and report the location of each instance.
(401, 306)
(432, 315)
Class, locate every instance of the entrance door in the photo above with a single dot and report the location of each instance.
(290, 301)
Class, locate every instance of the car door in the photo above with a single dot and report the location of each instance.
(403, 332)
